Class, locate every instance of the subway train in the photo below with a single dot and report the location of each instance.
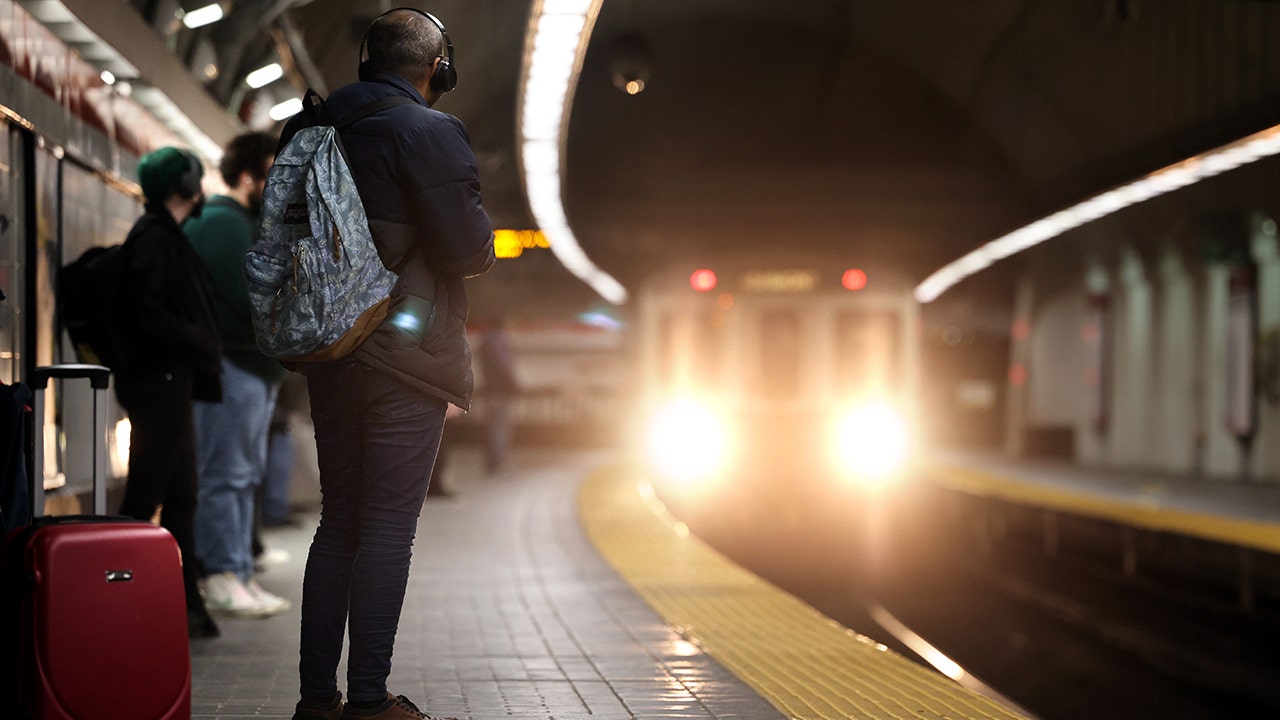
(792, 374)
(67, 165)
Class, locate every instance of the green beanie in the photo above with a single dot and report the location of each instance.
(167, 170)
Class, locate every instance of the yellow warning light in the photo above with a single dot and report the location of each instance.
(513, 243)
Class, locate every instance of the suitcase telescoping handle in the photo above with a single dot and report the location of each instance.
(99, 378)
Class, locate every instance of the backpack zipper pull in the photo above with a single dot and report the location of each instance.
(275, 322)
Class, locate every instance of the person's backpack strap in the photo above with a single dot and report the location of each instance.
(371, 108)
(316, 111)
(360, 114)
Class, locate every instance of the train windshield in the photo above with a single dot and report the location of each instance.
(780, 354)
(868, 352)
(689, 351)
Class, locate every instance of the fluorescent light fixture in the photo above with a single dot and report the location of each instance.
(1188, 172)
(559, 31)
(286, 109)
(567, 7)
(264, 75)
(202, 16)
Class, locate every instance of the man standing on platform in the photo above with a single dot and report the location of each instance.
(171, 356)
(379, 412)
(231, 436)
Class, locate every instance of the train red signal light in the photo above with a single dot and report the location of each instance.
(703, 280)
(853, 279)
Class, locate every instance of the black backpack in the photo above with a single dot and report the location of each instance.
(88, 305)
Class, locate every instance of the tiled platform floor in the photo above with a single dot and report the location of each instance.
(510, 613)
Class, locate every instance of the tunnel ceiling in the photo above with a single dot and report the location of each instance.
(895, 135)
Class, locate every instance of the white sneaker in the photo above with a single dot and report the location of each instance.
(270, 604)
(225, 593)
(272, 557)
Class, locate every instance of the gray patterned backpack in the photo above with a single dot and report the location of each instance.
(317, 287)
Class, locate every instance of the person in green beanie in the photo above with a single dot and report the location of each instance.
(172, 356)
(231, 436)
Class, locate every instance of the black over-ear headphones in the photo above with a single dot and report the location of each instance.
(443, 79)
(188, 185)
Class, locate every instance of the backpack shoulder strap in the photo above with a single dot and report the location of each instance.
(314, 108)
(314, 112)
(371, 108)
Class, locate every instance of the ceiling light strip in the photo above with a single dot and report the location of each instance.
(1188, 172)
(202, 16)
(559, 31)
(67, 27)
(264, 75)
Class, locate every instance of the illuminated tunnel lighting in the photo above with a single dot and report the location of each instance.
(202, 16)
(559, 31)
(286, 109)
(264, 75)
(1188, 172)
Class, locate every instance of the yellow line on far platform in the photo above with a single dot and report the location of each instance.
(1242, 532)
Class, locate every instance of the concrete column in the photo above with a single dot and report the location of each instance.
(1221, 451)
(1173, 421)
(1266, 256)
(1133, 364)
(1057, 358)
(1096, 336)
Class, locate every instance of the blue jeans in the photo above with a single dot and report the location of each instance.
(376, 441)
(231, 453)
(276, 476)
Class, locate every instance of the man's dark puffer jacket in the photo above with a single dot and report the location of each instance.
(420, 188)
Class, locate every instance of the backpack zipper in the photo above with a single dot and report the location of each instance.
(293, 284)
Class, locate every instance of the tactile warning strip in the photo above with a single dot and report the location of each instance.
(804, 663)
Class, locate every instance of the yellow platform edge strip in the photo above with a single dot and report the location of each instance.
(805, 664)
(1253, 534)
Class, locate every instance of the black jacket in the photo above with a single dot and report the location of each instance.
(167, 312)
(420, 188)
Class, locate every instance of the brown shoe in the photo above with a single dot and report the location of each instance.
(312, 709)
(397, 707)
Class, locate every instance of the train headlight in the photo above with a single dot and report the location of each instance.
(871, 441)
(686, 441)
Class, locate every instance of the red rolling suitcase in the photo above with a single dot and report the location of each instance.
(101, 627)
